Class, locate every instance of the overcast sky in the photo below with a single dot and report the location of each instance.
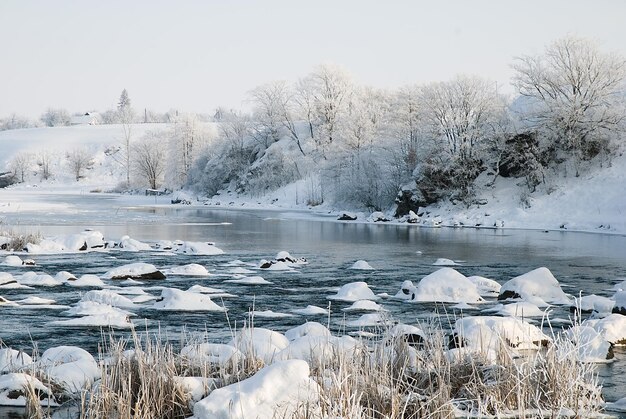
(197, 55)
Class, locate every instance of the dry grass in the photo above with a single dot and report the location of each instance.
(383, 377)
(16, 242)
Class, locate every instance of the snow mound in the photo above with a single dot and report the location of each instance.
(36, 301)
(205, 290)
(364, 305)
(533, 285)
(198, 248)
(137, 270)
(192, 269)
(177, 300)
(249, 280)
(275, 391)
(87, 280)
(307, 329)
(35, 279)
(108, 297)
(368, 320)
(273, 265)
(13, 260)
(259, 343)
(320, 350)
(589, 303)
(269, 314)
(284, 256)
(112, 319)
(310, 310)
(486, 287)
(362, 265)
(484, 334)
(445, 285)
(354, 291)
(211, 353)
(70, 366)
(444, 262)
(612, 328)
(12, 360)
(94, 308)
(132, 245)
(620, 303)
(591, 346)
(65, 276)
(6, 302)
(238, 270)
(86, 240)
(521, 309)
(12, 390)
(7, 281)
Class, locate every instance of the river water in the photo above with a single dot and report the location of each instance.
(580, 261)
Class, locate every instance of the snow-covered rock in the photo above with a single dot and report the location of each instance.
(112, 319)
(620, 303)
(273, 265)
(8, 281)
(354, 291)
(192, 269)
(36, 301)
(284, 256)
(320, 350)
(486, 287)
(307, 329)
(534, 285)
(362, 265)
(590, 303)
(444, 262)
(368, 320)
(311, 310)
(520, 309)
(87, 280)
(591, 346)
(108, 297)
(131, 245)
(407, 291)
(65, 276)
(198, 248)
(12, 260)
(259, 343)
(137, 270)
(205, 290)
(364, 305)
(35, 279)
(12, 360)
(91, 308)
(86, 240)
(249, 280)
(445, 285)
(6, 302)
(269, 314)
(211, 353)
(178, 300)
(612, 328)
(275, 391)
(485, 334)
(70, 366)
(238, 270)
(378, 217)
(13, 390)
(196, 387)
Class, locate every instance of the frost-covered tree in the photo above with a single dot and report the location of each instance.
(79, 160)
(15, 121)
(187, 138)
(125, 116)
(44, 160)
(149, 154)
(20, 165)
(574, 96)
(56, 117)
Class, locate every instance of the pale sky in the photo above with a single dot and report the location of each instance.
(197, 55)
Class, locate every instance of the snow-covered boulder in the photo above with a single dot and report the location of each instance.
(6, 302)
(412, 335)
(362, 265)
(368, 320)
(320, 350)
(12, 260)
(87, 280)
(591, 303)
(86, 240)
(196, 388)
(35, 279)
(94, 308)
(12, 360)
(275, 391)
(486, 287)
(591, 346)
(274, 265)
(446, 285)
(259, 343)
(249, 280)
(485, 334)
(198, 248)
(378, 217)
(114, 320)
(269, 314)
(612, 328)
(13, 390)
(211, 354)
(347, 216)
(65, 276)
(192, 269)
(137, 270)
(7, 281)
(521, 309)
(354, 291)
(620, 303)
(535, 286)
(239, 270)
(407, 291)
(70, 366)
(179, 300)
(364, 305)
(108, 297)
(444, 262)
(311, 310)
(284, 256)
(307, 329)
(131, 245)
